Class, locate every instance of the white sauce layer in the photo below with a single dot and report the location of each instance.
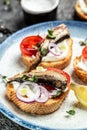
(83, 64)
(83, 6)
(16, 85)
(51, 57)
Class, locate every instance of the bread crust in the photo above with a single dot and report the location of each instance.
(35, 107)
(79, 12)
(30, 62)
(82, 75)
(60, 64)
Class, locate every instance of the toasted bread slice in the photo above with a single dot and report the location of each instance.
(31, 62)
(60, 64)
(35, 107)
(82, 75)
(62, 33)
(79, 12)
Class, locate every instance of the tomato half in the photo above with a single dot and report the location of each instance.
(28, 43)
(61, 72)
(84, 52)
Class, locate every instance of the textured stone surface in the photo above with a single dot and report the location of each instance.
(14, 21)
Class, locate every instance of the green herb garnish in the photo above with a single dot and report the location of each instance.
(71, 112)
(58, 93)
(33, 79)
(50, 32)
(51, 35)
(24, 77)
(83, 43)
(43, 51)
(4, 78)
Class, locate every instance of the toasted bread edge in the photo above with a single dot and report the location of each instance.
(82, 75)
(35, 107)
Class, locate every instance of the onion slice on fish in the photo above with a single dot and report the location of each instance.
(30, 92)
(44, 95)
(57, 51)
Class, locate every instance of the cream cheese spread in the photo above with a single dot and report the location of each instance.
(64, 51)
(83, 64)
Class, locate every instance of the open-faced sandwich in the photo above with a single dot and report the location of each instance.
(55, 50)
(81, 9)
(80, 65)
(39, 92)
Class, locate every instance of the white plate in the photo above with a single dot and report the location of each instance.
(11, 63)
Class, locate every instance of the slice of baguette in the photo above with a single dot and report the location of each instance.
(61, 32)
(82, 75)
(35, 107)
(60, 64)
(79, 12)
(31, 62)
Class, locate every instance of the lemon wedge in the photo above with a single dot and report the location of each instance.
(80, 93)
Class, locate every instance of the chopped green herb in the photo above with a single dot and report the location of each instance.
(71, 112)
(33, 79)
(83, 43)
(43, 51)
(24, 77)
(50, 32)
(51, 35)
(58, 93)
(4, 78)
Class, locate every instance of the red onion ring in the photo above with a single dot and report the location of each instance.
(40, 95)
(44, 95)
(52, 45)
(35, 89)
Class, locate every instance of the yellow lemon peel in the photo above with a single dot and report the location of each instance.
(80, 93)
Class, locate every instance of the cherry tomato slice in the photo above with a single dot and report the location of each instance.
(61, 72)
(28, 43)
(84, 52)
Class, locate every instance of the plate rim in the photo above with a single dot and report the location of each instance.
(6, 112)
